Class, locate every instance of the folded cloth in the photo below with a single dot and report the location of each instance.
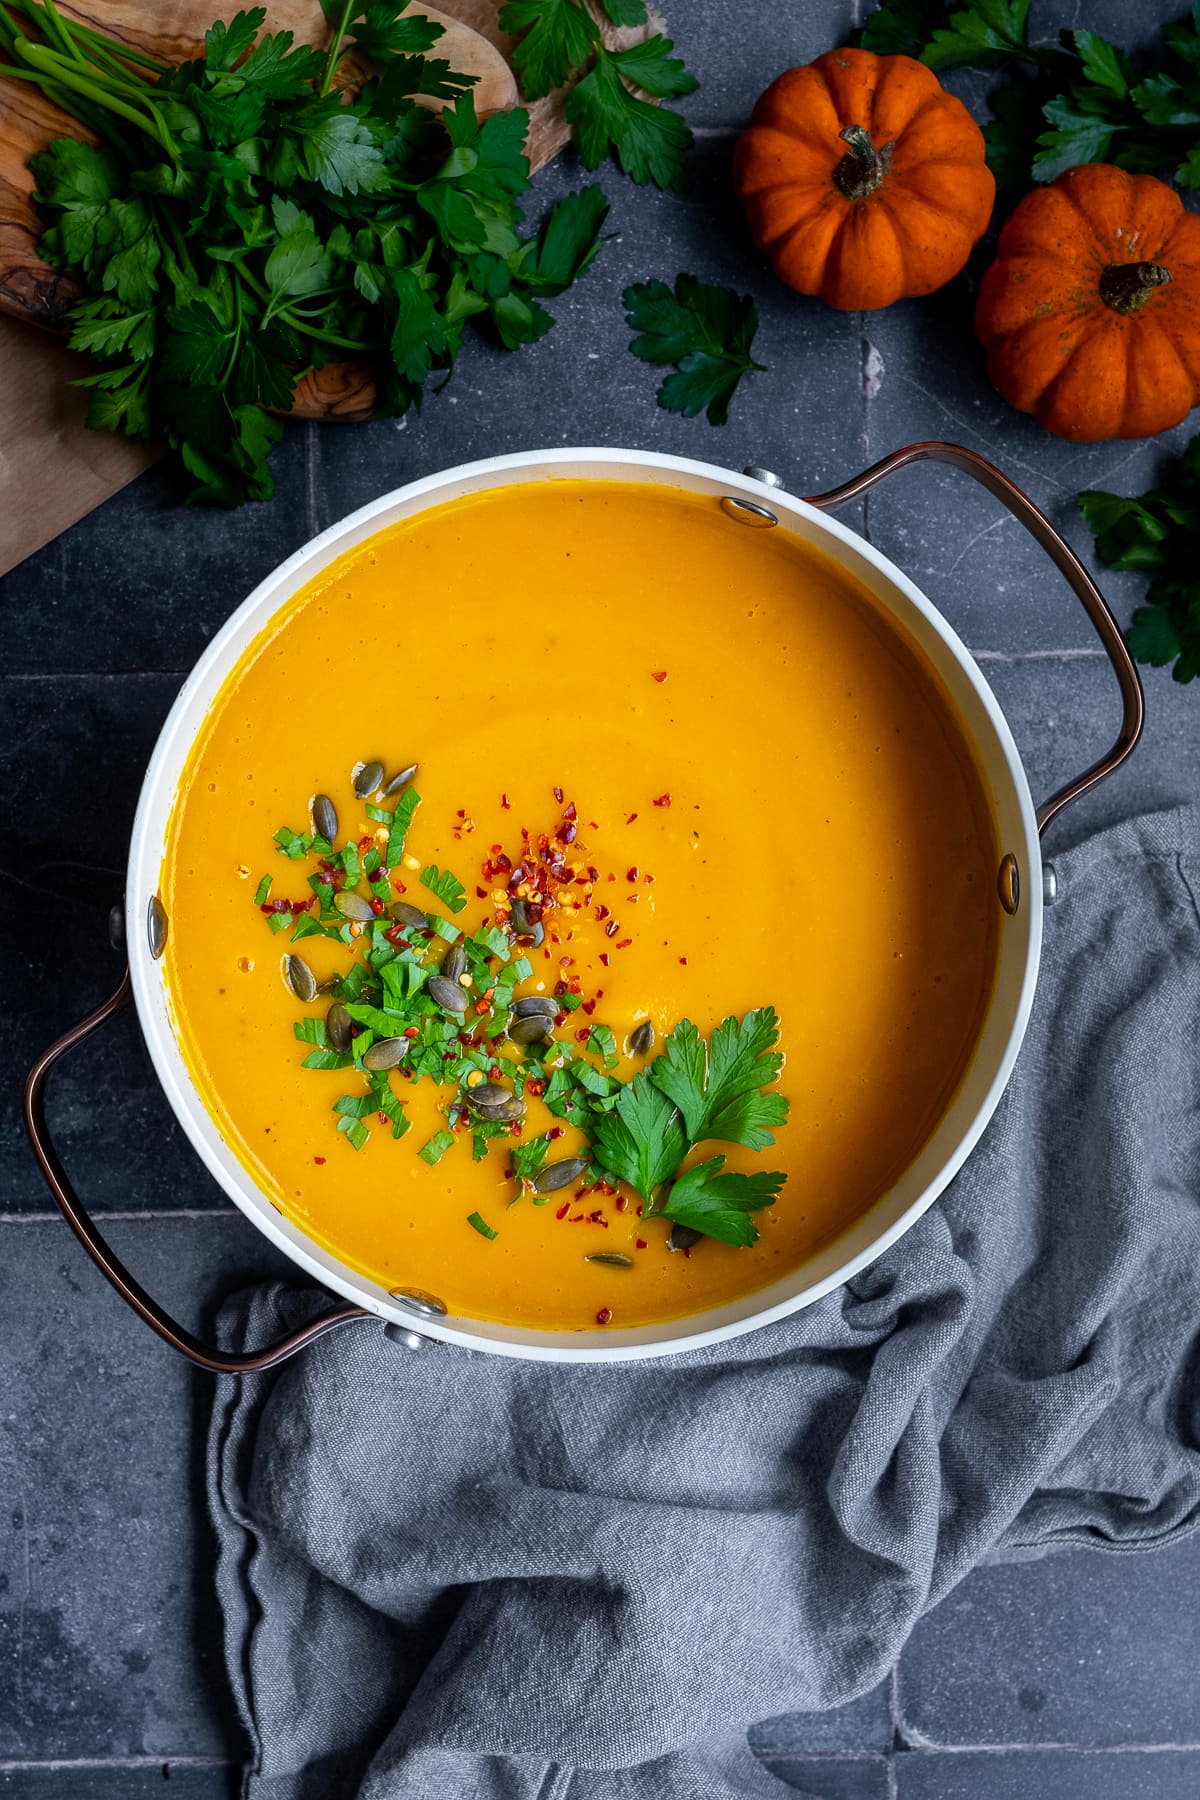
(452, 1576)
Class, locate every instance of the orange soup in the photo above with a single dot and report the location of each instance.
(669, 769)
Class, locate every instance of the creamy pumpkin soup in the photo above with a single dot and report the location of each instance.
(581, 908)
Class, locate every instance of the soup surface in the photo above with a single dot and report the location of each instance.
(755, 794)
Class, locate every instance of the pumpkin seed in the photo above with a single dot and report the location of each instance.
(533, 1030)
(412, 916)
(511, 1110)
(559, 1174)
(533, 1004)
(339, 1028)
(448, 994)
(300, 978)
(522, 925)
(156, 926)
(612, 1259)
(323, 816)
(683, 1237)
(399, 782)
(641, 1040)
(454, 963)
(385, 1053)
(353, 906)
(367, 780)
(488, 1094)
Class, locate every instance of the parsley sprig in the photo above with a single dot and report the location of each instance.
(1160, 533)
(245, 219)
(693, 1093)
(560, 42)
(1085, 100)
(705, 332)
(696, 1091)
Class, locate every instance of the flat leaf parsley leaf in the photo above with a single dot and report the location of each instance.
(706, 332)
(1160, 533)
(560, 41)
(719, 1204)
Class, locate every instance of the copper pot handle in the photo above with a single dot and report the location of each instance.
(221, 1362)
(1061, 554)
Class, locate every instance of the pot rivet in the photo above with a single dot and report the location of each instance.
(748, 512)
(156, 926)
(415, 1300)
(409, 1340)
(768, 477)
(1009, 883)
(116, 926)
(1049, 885)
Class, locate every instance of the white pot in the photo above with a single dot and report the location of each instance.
(1017, 832)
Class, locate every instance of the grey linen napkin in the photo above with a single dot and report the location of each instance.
(450, 1576)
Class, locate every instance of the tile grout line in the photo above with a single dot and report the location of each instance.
(58, 1765)
(120, 1218)
(909, 1747)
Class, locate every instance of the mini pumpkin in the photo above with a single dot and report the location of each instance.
(1090, 314)
(863, 180)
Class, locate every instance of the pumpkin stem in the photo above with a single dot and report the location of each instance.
(863, 168)
(1127, 286)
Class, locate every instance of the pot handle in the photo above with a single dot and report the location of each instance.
(220, 1362)
(1061, 554)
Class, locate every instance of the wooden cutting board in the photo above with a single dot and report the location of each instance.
(32, 291)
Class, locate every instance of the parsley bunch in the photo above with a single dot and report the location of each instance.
(560, 42)
(1085, 101)
(244, 219)
(1160, 533)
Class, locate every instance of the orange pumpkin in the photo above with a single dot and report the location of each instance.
(1090, 314)
(863, 180)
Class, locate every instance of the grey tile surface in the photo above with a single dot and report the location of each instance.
(864, 1724)
(1050, 1775)
(829, 1778)
(153, 1781)
(108, 1635)
(108, 1630)
(1076, 1649)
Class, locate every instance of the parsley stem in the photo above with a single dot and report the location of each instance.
(61, 71)
(334, 54)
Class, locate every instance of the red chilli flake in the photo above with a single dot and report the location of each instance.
(641, 1243)
(558, 795)
(555, 1131)
(663, 800)
(683, 962)
(604, 1315)
(505, 803)
(659, 675)
(604, 958)
(624, 943)
(622, 1203)
(632, 873)
(589, 1007)
(631, 818)
(411, 1031)
(563, 1210)
(319, 1159)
